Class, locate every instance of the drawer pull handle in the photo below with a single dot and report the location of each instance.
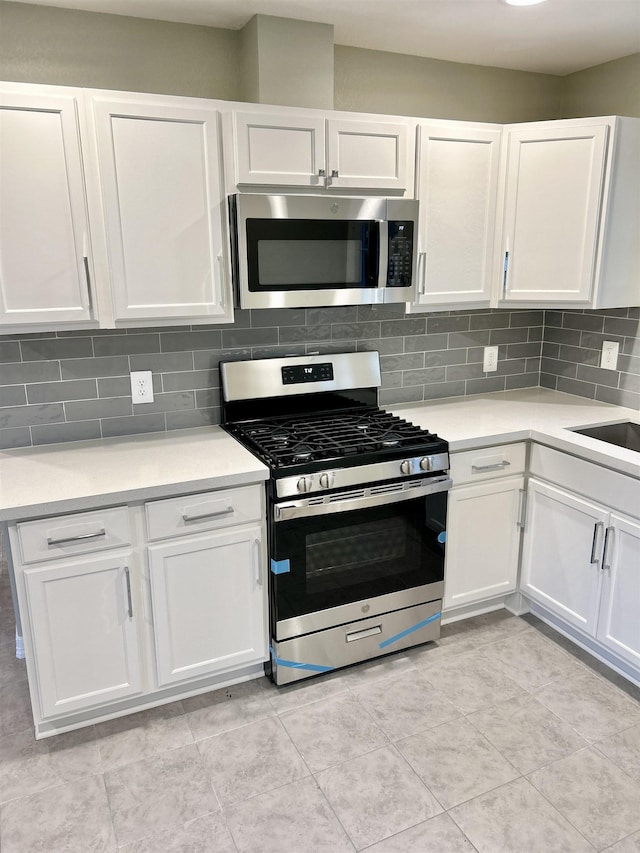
(495, 466)
(366, 632)
(215, 514)
(65, 540)
(599, 525)
(129, 601)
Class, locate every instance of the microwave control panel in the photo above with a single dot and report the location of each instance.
(400, 254)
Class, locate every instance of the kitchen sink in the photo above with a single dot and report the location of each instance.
(625, 434)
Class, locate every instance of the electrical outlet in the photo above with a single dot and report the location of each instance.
(609, 357)
(490, 360)
(141, 386)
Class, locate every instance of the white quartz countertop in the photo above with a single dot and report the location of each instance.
(531, 413)
(55, 478)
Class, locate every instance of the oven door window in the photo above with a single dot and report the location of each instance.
(313, 254)
(344, 557)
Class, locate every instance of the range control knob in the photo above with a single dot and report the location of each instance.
(426, 463)
(326, 479)
(406, 467)
(305, 484)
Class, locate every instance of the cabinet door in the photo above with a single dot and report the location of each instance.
(208, 603)
(280, 150)
(45, 258)
(562, 552)
(457, 188)
(84, 632)
(483, 537)
(159, 173)
(619, 619)
(368, 155)
(552, 207)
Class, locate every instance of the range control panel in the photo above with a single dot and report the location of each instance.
(298, 373)
(400, 254)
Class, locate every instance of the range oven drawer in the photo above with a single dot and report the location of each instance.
(322, 651)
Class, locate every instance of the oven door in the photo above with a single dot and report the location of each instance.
(355, 555)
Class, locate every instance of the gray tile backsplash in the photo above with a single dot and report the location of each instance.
(75, 385)
(571, 354)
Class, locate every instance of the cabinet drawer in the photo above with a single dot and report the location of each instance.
(613, 489)
(62, 536)
(207, 511)
(471, 466)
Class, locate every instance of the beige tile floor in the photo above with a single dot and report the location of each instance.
(500, 737)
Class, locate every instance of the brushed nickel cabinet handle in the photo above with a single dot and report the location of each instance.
(599, 525)
(495, 466)
(65, 540)
(87, 275)
(256, 542)
(523, 508)
(505, 273)
(129, 601)
(215, 514)
(606, 557)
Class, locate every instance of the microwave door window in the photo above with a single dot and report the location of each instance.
(309, 262)
(311, 254)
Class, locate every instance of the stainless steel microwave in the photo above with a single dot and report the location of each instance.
(301, 251)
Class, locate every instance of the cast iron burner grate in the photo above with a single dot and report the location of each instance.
(291, 441)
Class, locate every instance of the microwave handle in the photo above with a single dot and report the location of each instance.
(383, 257)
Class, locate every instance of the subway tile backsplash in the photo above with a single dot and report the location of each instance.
(73, 386)
(571, 351)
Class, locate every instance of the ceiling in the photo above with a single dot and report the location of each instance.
(556, 37)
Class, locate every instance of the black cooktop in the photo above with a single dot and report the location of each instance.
(370, 434)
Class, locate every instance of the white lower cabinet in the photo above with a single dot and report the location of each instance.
(581, 555)
(563, 553)
(619, 618)
(482, 541)
(129, 607)
(483, 525)
(84, 631)
(208, 603)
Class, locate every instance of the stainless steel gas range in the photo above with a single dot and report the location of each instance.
(356, 510)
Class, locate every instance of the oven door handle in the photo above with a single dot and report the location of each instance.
(306, 508)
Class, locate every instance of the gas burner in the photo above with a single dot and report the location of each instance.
(301, 453)
(281, 437)
(391, 440)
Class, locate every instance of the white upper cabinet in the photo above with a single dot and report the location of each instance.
(161, 203)
(571, 232)
(45, 256)
(457, 185)
(277, 150)
(373, 155)
(308, 150)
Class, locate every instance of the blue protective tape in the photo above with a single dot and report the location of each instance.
(313, 667)
(442, 537)
(280, 567)
(408, 631)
